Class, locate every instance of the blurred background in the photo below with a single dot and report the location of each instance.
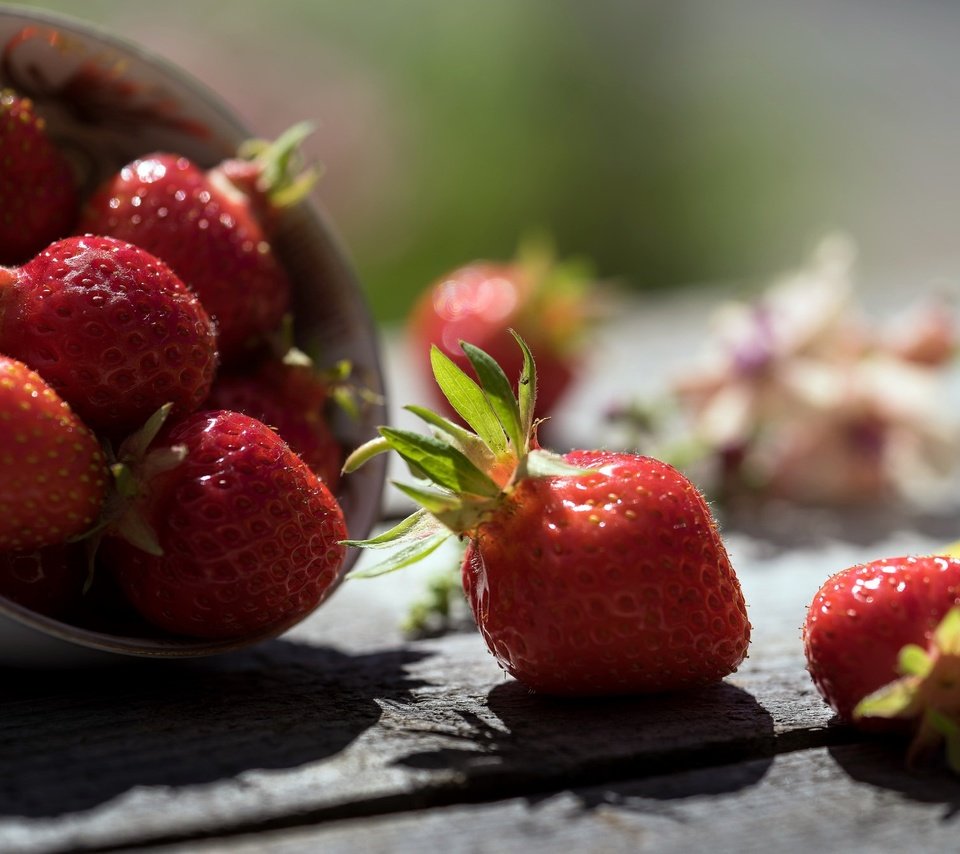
(673, 143)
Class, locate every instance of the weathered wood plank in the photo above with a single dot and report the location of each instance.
(343, 717)
(845, 798)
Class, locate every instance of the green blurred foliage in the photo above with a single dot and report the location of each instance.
(670, 142)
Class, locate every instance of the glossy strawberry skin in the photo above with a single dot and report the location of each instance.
(38, 196)
(111, 328)
(53, 474)
(251, 538)
(608, 583)
(480, 303)
(292, 399)
(864, 615)
(207, 231)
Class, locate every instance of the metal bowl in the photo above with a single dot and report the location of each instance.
(107, 101)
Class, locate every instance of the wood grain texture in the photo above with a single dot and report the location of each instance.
(345, 719)
(845, 798)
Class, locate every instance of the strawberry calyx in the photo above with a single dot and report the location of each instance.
(927, 692)
(272, 173)
(468, 472)
(133, 466)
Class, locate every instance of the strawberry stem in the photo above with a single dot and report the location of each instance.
(928, 691)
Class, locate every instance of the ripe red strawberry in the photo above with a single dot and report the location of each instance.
(241, 538)
(53, 474)
(595, 573)
(293, 399)
(882, 641)
(212, 228)
(544, 301)
(49, 581)
(111, 328)
(38, 193)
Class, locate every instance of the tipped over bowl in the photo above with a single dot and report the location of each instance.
(106, 102)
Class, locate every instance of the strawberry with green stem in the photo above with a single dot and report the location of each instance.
(218, 530)
(590, 573)
(550, 303)
(882, 641)
(214, 228)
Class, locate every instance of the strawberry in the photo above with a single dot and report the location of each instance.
(212, 228)
(49, 581)
(292, 398)
(882, 641)
(111, 328)
(53, 474)
(588, 574)
(38, 193)
(545, 301)
(228, 534)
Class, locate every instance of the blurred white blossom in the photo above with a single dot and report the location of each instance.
(801, 396)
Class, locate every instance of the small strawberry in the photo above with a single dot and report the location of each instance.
(213, 228)
(882, 641)
(53, 474)
(293, 398)
(38, 194)
(228, 533)
(546, 302)
(111, 328)
(593, 573)
(49, 581)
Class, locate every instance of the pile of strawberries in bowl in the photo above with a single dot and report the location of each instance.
(176, 326)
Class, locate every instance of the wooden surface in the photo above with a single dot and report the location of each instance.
(346, 736)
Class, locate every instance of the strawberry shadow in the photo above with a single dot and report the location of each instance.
(880, 762)
(524, 745)
(75, 740)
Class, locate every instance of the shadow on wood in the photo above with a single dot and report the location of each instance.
(73, 740)
(881, 762)
(531, 743)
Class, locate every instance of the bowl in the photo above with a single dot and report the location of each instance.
(107, 101)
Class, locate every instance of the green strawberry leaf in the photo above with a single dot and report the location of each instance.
(947, 634)
(499, 392)
(134, 447)
(440, 462)
(417, 526)
(404, 556)
(895, 700)
(540, 463)
(365, 452)
(468, 400)
(431, 500)
(459, 513)
(914, 661)
(526, 388)
(472, 446)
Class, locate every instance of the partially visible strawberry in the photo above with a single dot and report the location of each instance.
(594, 573)
(547, 302)
(293, 398)
(111, 328)
(53, 474)
(882, 641)
(38, 194)
(213, 228)
(49, 581)
(228, 534)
